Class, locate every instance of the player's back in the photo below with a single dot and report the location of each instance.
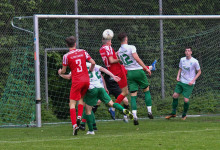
(76, 60)
(106, 52)
(94, 76)
(125, 53)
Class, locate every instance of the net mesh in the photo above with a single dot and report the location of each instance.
(205, 43)
(17, 59)
(18, 97)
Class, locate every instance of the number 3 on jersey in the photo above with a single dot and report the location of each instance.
(79, 67)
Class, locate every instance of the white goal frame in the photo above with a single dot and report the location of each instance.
(36, 18)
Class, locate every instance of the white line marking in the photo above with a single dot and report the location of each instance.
(88, 137)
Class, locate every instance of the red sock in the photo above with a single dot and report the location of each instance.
(120, 99)
(73, 115)
(84, 120)
(80, 110)
(147, 67)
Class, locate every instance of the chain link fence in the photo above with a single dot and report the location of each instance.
(17, 58)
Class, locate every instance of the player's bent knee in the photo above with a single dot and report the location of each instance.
(99, 102)
(125, 100)
(176, 95)
(186, 100)
(125, 91)
(146, 89)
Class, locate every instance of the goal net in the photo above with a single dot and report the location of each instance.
(202, 35)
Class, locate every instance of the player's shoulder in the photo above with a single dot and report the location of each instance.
(128, 46)
(96, 66)
(194, 60)
(183, 58)
(81, 50)
(131, 46)
(68, 53)
(105, 47)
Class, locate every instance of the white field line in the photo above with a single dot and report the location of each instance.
(92, 136)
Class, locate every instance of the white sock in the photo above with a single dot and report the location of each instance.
(113, 109)
(150, 67)
(149, 109)
(134, 112)
(125, 117)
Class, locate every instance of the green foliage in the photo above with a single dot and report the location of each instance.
(47, 114)
(17, 103)
(17, 59)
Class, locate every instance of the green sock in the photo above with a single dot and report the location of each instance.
(118, 106)
(89, 120)
(133, 103)
(93, 122)
(174, 105)
(83, 115)
(185, 108)
(148, 100)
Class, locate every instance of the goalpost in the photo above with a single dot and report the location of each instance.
(115, 17)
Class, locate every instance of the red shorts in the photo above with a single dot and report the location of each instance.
(123, 68)
(78, 90)
(123, 82)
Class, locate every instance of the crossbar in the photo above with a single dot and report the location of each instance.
(131, 16)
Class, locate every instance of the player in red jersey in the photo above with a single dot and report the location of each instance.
(76, 60)
(112, 63)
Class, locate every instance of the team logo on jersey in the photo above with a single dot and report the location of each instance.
(186, 68)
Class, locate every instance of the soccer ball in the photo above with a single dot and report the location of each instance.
(108, 34)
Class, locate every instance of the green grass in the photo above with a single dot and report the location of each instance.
(195, 133)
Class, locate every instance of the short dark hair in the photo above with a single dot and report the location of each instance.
(70, 41)
(188, 47)
(122, 36)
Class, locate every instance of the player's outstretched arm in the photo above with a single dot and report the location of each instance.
(112, 60)
(116, 78)
(103, 80)
(140, 62)
(92, 65)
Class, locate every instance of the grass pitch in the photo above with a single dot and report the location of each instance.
(195, 133)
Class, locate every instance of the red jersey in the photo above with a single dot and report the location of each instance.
(76, 60)
(105, 52)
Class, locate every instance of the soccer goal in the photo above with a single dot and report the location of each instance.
(156, 37)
